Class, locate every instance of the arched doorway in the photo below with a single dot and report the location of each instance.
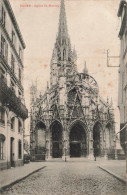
(56, 140)
(40, 140)
(78, 142)
(97, 130)
(40, 132)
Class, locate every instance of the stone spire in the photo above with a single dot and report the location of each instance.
(62, 58)
(62, 29)
(63, 44)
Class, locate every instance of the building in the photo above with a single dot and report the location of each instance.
(70, 119)
(122, 13)
(12, 107)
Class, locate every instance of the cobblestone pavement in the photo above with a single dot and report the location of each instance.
(70, 178)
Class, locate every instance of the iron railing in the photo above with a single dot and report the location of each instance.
(14, 103)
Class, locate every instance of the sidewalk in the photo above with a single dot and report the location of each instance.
(117, 168)
(10, 176)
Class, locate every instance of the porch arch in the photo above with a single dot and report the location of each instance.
(56, 131)
(97, 138)
(40, 134)
(77, 121)
(108, 135)
(78, 139)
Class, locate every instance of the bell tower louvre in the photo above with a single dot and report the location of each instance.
(70, 119)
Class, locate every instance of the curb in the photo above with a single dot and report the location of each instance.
(114, 175)
(20, 179)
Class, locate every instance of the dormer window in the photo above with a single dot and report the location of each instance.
(3, 17)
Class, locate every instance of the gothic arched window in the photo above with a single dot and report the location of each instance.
(71, 96)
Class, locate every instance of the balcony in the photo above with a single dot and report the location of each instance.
(14, 103)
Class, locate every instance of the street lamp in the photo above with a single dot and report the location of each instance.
(65, 148)
(47, 150)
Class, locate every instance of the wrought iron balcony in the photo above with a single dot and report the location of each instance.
(8, 97)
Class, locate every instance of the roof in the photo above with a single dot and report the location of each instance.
(12, 16)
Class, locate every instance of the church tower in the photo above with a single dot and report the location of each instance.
(70, 119)
(63, 58)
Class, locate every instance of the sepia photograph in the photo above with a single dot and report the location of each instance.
(63, 97)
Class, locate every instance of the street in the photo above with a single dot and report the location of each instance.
(69, 178)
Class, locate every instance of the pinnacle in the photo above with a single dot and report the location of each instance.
(85, 70)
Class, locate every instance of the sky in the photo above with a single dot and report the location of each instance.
(93, 27)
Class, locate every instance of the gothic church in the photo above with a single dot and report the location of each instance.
(70, 119)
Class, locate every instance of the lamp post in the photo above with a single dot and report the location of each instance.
(65, 148)
(47, 150)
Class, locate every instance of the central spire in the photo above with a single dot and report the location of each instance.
(63, 60)
(63, 45)
(62, 30)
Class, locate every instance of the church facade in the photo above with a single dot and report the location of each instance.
(70, 119)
